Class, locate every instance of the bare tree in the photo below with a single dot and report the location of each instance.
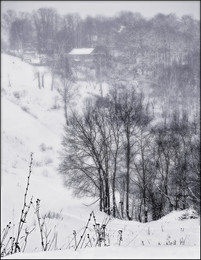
(46, 26)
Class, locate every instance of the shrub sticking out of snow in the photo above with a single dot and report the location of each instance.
(16, 244)
(188, 214)
(180, 215)
(44, 147)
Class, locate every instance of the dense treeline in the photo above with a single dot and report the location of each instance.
(116, 148)
(130, 33)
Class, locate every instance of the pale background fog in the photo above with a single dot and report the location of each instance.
(109, 8)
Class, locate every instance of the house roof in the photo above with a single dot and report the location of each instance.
(81, 51)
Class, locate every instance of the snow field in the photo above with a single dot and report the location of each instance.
(116, 253)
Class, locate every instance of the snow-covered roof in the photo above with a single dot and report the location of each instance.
(121, 28)
(81, 51)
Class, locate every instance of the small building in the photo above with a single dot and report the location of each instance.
(81, 55)
(88, 54)
(88, 60)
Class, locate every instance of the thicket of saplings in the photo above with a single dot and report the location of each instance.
(139, 166)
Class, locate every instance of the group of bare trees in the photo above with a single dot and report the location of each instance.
(130, 33)
(115, 149)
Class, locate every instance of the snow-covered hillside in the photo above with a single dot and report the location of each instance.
(32, 121)
(30, 124)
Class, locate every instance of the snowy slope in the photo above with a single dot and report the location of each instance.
(30, 123)
(37, 129)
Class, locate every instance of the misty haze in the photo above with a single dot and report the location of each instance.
(100, 131)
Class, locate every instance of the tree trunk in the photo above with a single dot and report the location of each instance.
(145, 209)
(101, 192)
(144, 185)
(127, 175)
(139, 215)
(52, 84)
(113, 198)
(114, 187)
(107, 197)
(43, 81)
(123, 198)
(65, 106)
(39, 80)
(122, 209)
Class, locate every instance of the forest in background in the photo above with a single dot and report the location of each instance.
(162, 53)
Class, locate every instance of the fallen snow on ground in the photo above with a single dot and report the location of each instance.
(116, 253)
(32, 121)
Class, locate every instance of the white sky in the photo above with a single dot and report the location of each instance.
(109, 8)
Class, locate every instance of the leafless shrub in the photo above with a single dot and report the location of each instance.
(25, 209)
(182, 241)
(48, 236)
(14, 244)
(53, 215)
(25, 109)
(44, 147)
(16, 94)
(97, 236)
